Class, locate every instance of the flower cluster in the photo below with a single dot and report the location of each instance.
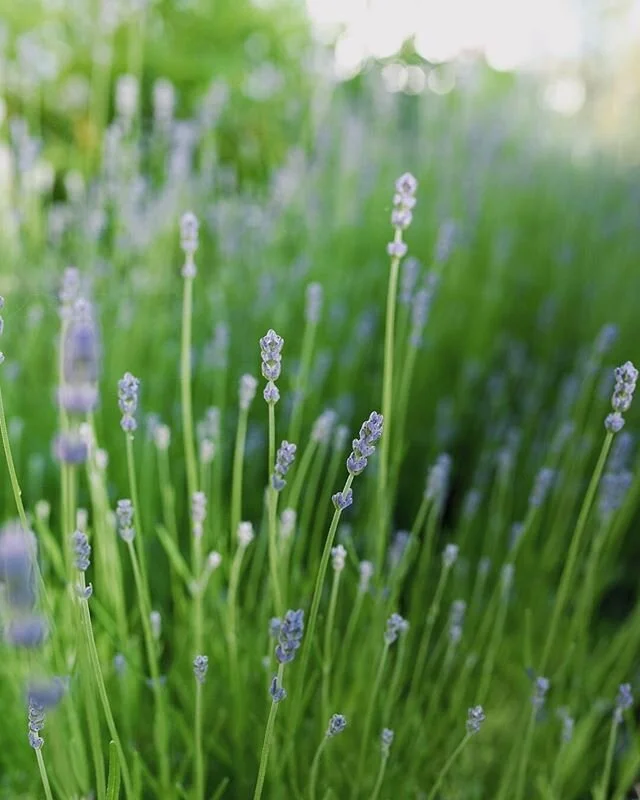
(271, 354)
(128, 391)
(247, 391)
(78, 393)
(200, 667)
(626, 379)
(36, 724)
(396, 625)
(124, 516)
(366, 573)
(338, 557)
(364, 445)
(290, 636)
(198, 513)
(323, 426)
(337, 724)
(403, 203)
(450, 555)
(245, 534)
(386, 740)
(284, 459)
(342, 500)
(456, 620)
(475, 718)
(437, 484)
(189, 242)
(624, 701)
(540, 688)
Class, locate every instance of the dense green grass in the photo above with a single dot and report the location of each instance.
(509, 376)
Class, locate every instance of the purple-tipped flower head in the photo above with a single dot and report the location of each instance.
(78, 393)
(626, 379)
(396, 625)
(386, 740)
(17, 567)
(543, 482)
(475, 718)
(46, 693)
(342, 500)
(276, 691)
(540, 688)
(271, 355)
(198, 513)
(36, 724)
(200, 667)
(27, 632)
(438, 480)
(313, 307)
(81, 550)
(290, 636)
(364, 445)
(337, 724)
(189, 234)
(323, 426)
(128, 392)
(124, 517)
(284, 459)
(624, 701)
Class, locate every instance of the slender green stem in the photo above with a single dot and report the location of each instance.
(387, 395)
(603, 789)
(368, 720)
(445, 770)
(307, 642)
(102, 690)
(232, 632)
(137, 516)
(572, 556)
(380, 777)
(394, 684)
(44, 776)
(15, 486)
(313, 780)
(185, 388)
(199, 781)
(238, 467)
(327, 657)
(302, 378)
(266, 745)
(492, 651)
(524, 758)
(161, 733)
(345, 648)
(272, 511)
(93, 727)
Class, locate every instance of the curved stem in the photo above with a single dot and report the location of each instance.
(43, 775)
(380, 778)
(238, 466)
(443, 772)
(313, 780)
(266, 745)
(272, 510)
(369, 716)
(185, 388)
(328, 634)
(603, 790)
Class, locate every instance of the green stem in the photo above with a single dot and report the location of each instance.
(387, 394)
(199, 781)
(380, 778)
(574, 549)
(369, 717)
(43, 775)
(328, 635)
(301, 380)
(307, 642)
(272, 511)
(238, 466)
(313, 781)
(15, 486)
(137, 517)
(185, 388)
(603, 790)
(266, 745)
(444, 771)
(102, 691)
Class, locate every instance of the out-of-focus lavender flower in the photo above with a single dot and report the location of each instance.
(323, 426)
(162, 437)
(78, 393)
(276, 691)
(247, 391)
(288, 519)
(245, 534)
(164, 98)
(124, 516)
(81, 550)
(386, 740)
(340, 437)
(540, 688)
(17, 567)
(189, 238)
(420, 308)
(475, 718)
(626, 378)
(313, 307)
(337, 724)
(198, 513)
(606, 339)
(200, 667)
(543, 482)
(471, 503)
(456, 620)
(70, 448)
(408, 280)
(568, 724)
(155, 621)
(624, 701)
(446, 240)
(119, 663)
(438, 480)
(338, 557)
(366, 573)
(69, 291)
(450, 555)
(27, 631)
(364, 445)
(275, 623)
(342, 500)
(271, 354)
(128, 393)
(46, 693)
(396, 625)
(397, 249)
(217, 352)
(126, 100)
(398, 548)
(613, 490)
(284, 459)
(290, 636)
(506, 576)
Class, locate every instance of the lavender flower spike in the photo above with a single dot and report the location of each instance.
(271, 354)
(386, 740)
(364, 445)
(200, 667)
(396, 625)
(81, 550)
(337, 724)
(475, 718)
(36, 724)
(128, 391)
(284, 459)
(624, 701)
(290, 636)
(626, 379)
(342, 500)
